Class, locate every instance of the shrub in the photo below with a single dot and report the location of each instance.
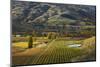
(52, 35)
(30, 43)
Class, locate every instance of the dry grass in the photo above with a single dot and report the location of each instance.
(24, 57)
(29, 52)
(21, 44)
(90, 42)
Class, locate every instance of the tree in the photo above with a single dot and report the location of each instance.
(34, 34)
(30, 43)
(52, 35)
(49, 35)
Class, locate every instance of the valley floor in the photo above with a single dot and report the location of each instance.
(57, 51)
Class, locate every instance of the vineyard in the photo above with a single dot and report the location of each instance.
(57, 51)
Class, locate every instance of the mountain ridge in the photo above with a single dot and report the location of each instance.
(25, 15)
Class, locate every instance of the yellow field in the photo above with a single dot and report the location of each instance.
(22, 44)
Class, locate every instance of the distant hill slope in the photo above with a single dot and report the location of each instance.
(25, 15)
